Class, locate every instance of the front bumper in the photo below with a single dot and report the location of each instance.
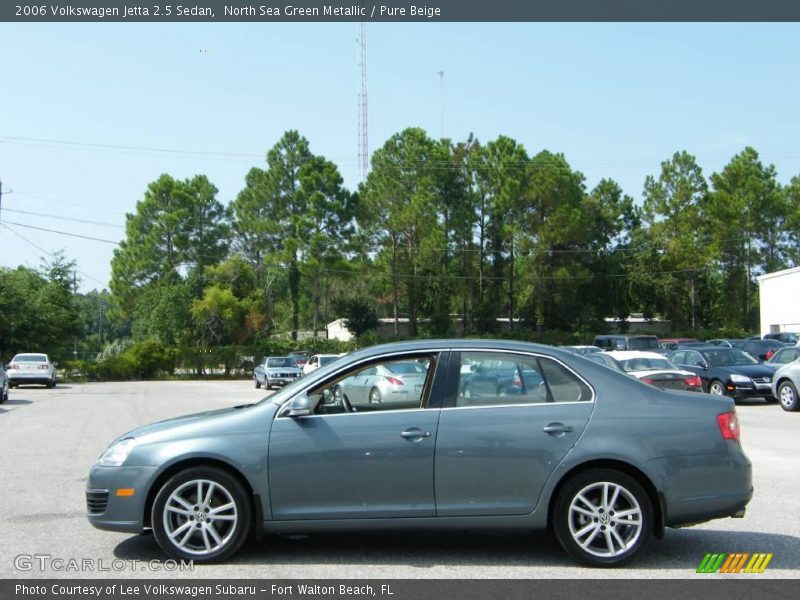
(108, 511)
(742, 391)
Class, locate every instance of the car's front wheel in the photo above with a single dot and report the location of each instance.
(257, 382)
(716, 388)
(202, 514)
(787, 396)
(603, 518)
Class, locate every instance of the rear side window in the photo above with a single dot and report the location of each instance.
(492, 378)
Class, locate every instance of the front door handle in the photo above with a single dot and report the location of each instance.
(557, 429)
(415, 434)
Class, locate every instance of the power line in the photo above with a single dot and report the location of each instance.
(65, 202)
(60, 218)
(76, 235)
(50, 254)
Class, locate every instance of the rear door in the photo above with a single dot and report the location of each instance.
(494, 453)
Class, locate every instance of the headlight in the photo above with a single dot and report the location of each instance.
(740, 379)
(116, 454)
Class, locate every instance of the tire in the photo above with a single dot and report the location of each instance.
(258, 383)
(185, 533)
(589, 531)
(467, 393)
(501, 391)
(787, 396)
(4, 394)
(375, 396)
(716, 387)
(54, 383)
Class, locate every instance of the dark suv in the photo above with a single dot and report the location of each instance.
(627, 342)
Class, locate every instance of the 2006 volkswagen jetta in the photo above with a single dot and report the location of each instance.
(605, 461)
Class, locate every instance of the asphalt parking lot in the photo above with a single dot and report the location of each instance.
(50, 438)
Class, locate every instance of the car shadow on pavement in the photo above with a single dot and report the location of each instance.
(13, 403)
(680, 549)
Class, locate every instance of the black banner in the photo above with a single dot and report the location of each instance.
(733, 588)
(399, 10)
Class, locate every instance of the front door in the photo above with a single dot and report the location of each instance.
(352, 458)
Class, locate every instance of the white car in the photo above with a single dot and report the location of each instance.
(317, 361)
(658, 371)
(785, 384)
(31, 368)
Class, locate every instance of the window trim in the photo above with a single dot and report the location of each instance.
(451, 393)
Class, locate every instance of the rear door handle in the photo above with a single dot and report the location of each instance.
(415, 433)
(557, 429)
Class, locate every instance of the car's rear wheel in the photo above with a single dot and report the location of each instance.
(4, 393)
(201, 514)
(787, 396)
(375, 396)
(715, 387)
(603, 518)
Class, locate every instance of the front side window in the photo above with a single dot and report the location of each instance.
(391, 384)
(493, 378)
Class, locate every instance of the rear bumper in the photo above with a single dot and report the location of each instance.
(21, 377)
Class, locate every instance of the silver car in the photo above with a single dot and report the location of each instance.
(398, 382)
(3, 384)
(30, 368)
(785, 384)
(604, 461)
(276, 371)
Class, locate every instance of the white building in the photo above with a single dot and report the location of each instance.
(779, 294)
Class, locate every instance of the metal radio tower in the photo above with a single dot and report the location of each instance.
(363, 135)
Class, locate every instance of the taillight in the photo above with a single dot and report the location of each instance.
(13, 366)
(693, 381)
(770, 354)
(43, 366)
(394, 381)
(728, 426)
(648, 380)
(517, 383)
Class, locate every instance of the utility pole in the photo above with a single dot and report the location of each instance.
(363, 128)
(441, 104)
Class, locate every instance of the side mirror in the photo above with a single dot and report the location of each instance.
(55, 364)
(298, 407)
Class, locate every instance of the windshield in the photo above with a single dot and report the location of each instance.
(642, 343)
(281, 362)
(646, 364)
(729, 356)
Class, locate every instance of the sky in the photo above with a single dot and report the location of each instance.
(91, 113)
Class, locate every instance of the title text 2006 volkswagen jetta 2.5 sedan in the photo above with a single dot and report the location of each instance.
(494, 435)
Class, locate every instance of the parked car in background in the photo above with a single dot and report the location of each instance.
(762, 350)
(604, 461)
(300, 357)
(627, 342)
(3, 384)
(657, 370)
(783, 356)
(275, 371)
(785, 384)
(398, 382)
(605, 359)
(784, 336)
(582, 350)
(727, 371)
(317, 361)
(726, 342)
(672, 343)
(27, 368)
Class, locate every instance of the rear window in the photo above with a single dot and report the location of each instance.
(29, 358)
(646, 364)
(324, 360)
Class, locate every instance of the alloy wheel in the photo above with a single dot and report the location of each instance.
(200, 517)
(716, 389)
(605, 519)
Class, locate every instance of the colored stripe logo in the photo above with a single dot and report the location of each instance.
(739, 562)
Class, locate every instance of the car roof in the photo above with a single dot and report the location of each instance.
(458, 344)
(628, 354)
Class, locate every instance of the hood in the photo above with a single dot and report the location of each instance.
(193, 424)
(749, 370)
